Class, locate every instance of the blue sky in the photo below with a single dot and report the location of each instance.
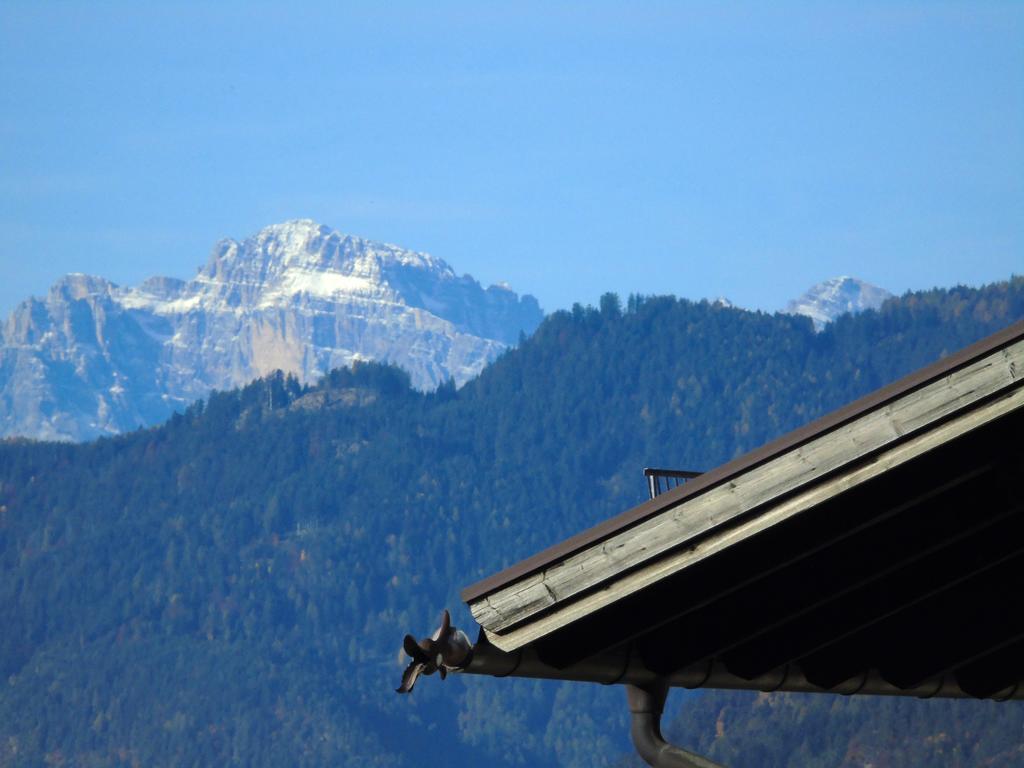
(701, 149)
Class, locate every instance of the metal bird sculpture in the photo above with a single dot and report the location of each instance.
(448, 648)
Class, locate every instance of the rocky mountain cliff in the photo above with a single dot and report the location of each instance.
(831, 298)
(93, 358)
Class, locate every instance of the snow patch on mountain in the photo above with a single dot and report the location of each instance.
(837, 296)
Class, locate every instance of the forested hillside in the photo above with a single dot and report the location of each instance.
(761, 730)
(744, 729)
(233, 587)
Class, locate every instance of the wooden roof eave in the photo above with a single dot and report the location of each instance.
(694, 523)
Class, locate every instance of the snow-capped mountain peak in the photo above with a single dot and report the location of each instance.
(829, 299)
(296, 296)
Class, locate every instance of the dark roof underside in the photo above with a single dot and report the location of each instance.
(759, 456)
(917, 573)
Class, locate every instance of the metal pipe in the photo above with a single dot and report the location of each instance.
(628, 668)
(449, 650)
(646, 703)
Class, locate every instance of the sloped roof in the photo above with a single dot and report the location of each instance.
(884, 541)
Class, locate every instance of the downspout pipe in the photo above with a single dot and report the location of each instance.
(646, 703)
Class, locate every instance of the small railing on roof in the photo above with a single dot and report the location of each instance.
(661, 480)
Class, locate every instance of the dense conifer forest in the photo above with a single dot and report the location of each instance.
(231, 588)
(754, 730)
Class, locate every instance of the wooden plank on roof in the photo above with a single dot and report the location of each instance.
(576, 581)
(632, 582)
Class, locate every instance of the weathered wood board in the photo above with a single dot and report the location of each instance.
(634, 558)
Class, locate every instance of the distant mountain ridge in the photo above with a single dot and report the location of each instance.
(829, 299)
(233, 586)
(93, 358)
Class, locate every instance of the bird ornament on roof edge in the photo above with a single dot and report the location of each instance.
(448, 648)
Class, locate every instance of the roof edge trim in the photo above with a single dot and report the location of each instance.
(534, 623)
(722, 474)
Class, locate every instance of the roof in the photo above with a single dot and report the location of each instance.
(885, 538)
